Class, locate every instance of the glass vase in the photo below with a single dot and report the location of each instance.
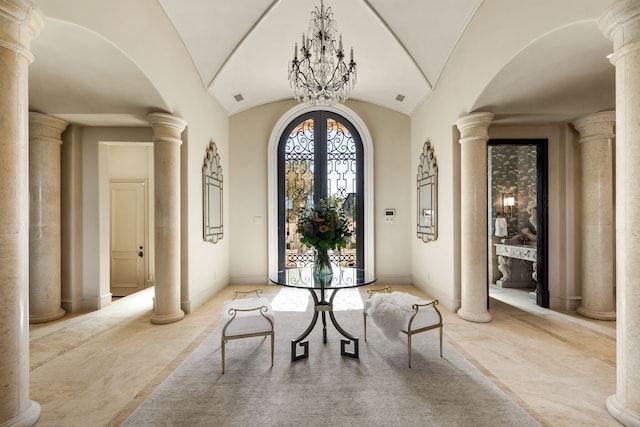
(322, 270)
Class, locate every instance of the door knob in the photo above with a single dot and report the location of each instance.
(140, 254)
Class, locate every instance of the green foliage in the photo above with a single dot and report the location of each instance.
(324, 226)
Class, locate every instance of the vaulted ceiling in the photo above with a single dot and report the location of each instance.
(401, 48)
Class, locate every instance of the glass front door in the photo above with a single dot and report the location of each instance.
(319, 158)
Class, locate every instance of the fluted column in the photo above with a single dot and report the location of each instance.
(473, 212)
(19, 24)
(596, 147)
(166, 162)
(621, 24)
(45, 269)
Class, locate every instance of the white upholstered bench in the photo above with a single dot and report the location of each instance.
(246, 317)
(396, 313)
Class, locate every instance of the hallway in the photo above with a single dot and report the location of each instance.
(96, 368)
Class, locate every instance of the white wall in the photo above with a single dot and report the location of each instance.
(489, 43)
(249, 138)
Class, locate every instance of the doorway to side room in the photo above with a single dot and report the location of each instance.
(128, 237)
(130, 217)
(517, 211)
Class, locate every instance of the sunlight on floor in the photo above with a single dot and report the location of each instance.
(291, 299)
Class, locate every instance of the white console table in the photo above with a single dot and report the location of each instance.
(517, 263)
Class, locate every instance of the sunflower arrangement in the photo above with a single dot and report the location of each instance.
(324, 226)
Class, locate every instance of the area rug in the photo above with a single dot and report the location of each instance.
(377, 389)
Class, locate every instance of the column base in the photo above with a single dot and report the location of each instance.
(25, 419)
(163, 319)
(43, 318)
(626, 416)
(594, 314)
(475, 317)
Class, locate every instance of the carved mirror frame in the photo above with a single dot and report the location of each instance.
(427, 219)
(212, 195)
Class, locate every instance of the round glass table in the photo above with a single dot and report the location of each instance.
(343, 277)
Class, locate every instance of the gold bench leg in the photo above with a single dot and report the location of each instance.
(272, 334)
(222, 353)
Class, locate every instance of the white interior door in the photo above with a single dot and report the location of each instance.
(128, 237)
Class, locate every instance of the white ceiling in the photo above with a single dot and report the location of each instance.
(401, 48)
(242, 50)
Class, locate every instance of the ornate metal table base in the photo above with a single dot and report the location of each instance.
(322, 306)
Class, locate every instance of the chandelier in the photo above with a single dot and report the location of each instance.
(321, 76)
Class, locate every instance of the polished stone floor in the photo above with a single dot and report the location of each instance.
(94, 369)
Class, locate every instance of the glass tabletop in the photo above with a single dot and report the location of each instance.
(302, 277)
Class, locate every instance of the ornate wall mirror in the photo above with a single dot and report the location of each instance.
(212, 195)
(427, 195)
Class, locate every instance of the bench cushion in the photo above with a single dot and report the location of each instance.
(391, 313)
(246, 322)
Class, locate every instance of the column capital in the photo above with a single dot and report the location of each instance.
(46, 126)
(166, 127)
(621, 24)
(474, 126)
(20, 22)
(596, 126)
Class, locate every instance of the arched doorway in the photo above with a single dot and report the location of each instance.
(320, 158)
(284, 127)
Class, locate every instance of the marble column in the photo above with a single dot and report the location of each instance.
(621, 24)
(597, 235)
(19, 24)
(474, 135)
(166, 162)
(45, 267)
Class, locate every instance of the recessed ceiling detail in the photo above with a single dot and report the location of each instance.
(83, 78)
(554, 78)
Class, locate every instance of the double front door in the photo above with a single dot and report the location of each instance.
(320, 157)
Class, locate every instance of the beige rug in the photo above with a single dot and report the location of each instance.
(378, 389)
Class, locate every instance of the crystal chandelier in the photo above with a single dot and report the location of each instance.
(321, 76)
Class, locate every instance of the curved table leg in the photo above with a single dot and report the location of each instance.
(350, 338)
(305, 345)
(323, 306)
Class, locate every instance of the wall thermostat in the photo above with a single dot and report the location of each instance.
(389, 214)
